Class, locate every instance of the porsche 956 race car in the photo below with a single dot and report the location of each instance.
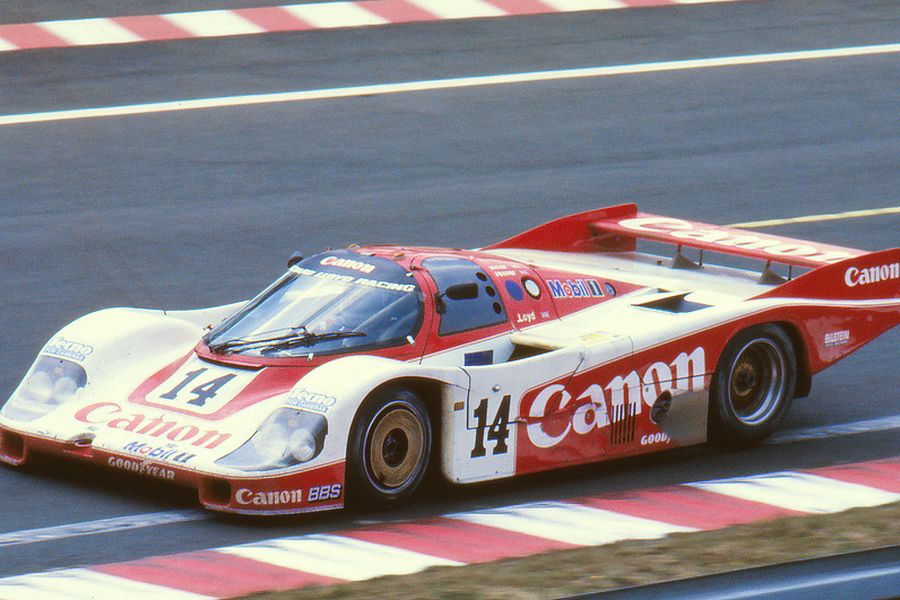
(361, 370)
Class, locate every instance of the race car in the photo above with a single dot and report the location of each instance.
(361, 370)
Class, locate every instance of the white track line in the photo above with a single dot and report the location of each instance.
(84, 584)
(335, 14)
(446, 84)
(850, 214)
(570, 523)
(213, 23)
(799, 491)
(459, 9)
(111, 525)
(87, 32)
(338, 557)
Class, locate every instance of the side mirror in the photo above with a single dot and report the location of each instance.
(458, 291)
(462, 291)
(294, 259)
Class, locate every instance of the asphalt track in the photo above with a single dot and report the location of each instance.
(198, 208)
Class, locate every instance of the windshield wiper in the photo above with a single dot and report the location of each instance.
(309, 339)
(298, 336)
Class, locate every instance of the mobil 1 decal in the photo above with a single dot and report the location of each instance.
(575, 291)
(602, 411)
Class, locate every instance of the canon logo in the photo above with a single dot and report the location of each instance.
(854, 277)
(245, 496)
(347, 263)
(597, 407)
(112, 416)
(686, 230)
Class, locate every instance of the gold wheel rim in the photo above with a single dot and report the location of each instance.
(395, 448)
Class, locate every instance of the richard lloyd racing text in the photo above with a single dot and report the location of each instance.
(364, 281)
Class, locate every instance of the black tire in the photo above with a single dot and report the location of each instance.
(753, 386)
(389, 449)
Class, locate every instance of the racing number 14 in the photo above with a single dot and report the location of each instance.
(202, 392)
(497, 432)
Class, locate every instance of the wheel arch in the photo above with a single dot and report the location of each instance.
(803, 374)
(431, 391)
(725, 426)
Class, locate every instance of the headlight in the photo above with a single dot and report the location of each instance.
(288, 437)
(50, 383)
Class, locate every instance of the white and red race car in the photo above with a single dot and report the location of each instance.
(362, 369)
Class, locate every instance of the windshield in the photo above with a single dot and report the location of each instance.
(329, 303)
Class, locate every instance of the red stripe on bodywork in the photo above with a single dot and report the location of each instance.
(457, 540)
(30, 35)
(274, 18)
(884, 475)
(522, 7)
(399, 11)
(688, 507)
(153, 28)
(213, 573)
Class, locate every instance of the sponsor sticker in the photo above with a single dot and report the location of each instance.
(651, 439)
(854, 276)
(597, 407)
(347, 263)
(526, 318)
(268, 498)
(575, 288)
(324, 492)
(364, 281)
(60, 346)
(113, 416)
(141, 467)
(166, 453)
(837, 338)
(309, 400)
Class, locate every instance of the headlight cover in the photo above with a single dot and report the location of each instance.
(287, 437)
(50, 383)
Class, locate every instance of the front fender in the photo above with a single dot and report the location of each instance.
(339, 388)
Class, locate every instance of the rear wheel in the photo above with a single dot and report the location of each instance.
(753, 386)
(390, 447)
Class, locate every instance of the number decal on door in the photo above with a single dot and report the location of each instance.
(497, 432)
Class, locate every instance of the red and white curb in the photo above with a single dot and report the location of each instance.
(290, 17)
(470, 537)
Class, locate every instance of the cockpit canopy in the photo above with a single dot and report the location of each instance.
(333, 302)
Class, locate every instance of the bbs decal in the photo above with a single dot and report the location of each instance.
(324, 492)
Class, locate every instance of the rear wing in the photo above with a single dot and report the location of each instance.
(617, 229)
(837, 272)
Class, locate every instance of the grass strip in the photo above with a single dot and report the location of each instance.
(634, 562)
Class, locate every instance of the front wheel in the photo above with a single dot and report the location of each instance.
(753, 386)
(389, 449)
